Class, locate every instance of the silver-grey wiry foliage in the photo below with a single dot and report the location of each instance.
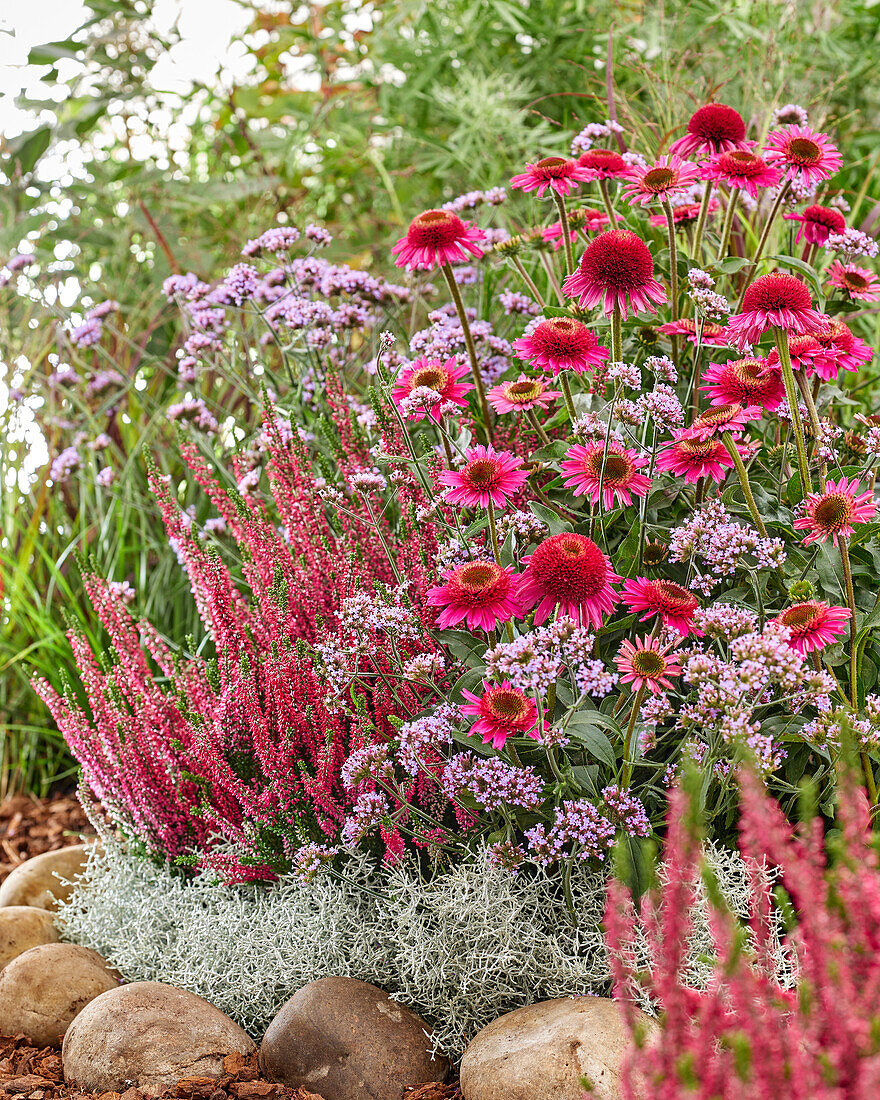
(460, 949)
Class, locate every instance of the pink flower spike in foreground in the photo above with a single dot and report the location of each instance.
(857, 283)
(437, 237)
(647, 665)
(489, 475)
(568, 572)
(525, 393)
(621, 481)
(773, 301)
(694, 458)
(741, 170)
(561, 343)
(559, 174)
(834, 512)
(656, 182)
(805, 156)
(711, 129)
(674, 604)
(814, 624)
(817, 223)
(443, 378)
(502, 711)
(617, 270)
(478, 593)
(718, 419)
(746, 382)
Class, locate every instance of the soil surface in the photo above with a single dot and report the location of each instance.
(29, 827)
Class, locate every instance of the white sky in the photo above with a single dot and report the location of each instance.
(208, 29)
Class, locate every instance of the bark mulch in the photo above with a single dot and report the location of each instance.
(29, 827)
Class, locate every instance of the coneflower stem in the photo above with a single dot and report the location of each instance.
(616, 335)
(759, 251)
(732, 200)
(867, 766)
(606, 199)
(791, 394)
(535, 423)
(813, 413)
(527, 279)
(566, 236)
(701, 219)
(566, 393)
(673, 273)
(743, 473)
(471, 349)
(493, 533)
(627, 743)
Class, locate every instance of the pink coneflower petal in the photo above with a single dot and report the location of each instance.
(478, 593)
(561, 343)
(744, 382)
(694, 458)
(603, 164)
(444, 378)
(647, 665)
(570, 573)
(856, 282)
(686, 214)
(776, 300)
(437, 237)
(834, 511)
(673, 603)
(718, 419)
(742, 170)
(656, 182)
(814, 624)
(805, 156)
(842, 349)
(817, 223)
(489, 475)
(710, 334)
(557, 173)
(620, 478)
(617, 270)
(524, 393)
(502, 711)
(711, 129)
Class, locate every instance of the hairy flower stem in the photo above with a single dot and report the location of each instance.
(551, 278)
(732, 200)
(566, 393)
(527, 279)
(759, 251)
(791, 394)
(867, 766)
(627, 743)
(743, 474)
(813, 413)
(471, 349)
(566, 236)
(535, 423)
(673, 273)
(606, 199)
(701, 220)
(493, 533)
(616, 335)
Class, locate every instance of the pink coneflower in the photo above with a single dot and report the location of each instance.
(673, 603)
(561, 343)
(855, 282)
(437, 237)
(621, 480)
(805, 156)
(833, 512)
(843, 350)
(741, 169)
(656, 182)
(718, 419)
(694, 458)
(585, 217)
(805, 352)
(502, 711)
(557, 173)
(616, 269)
(712, 129)
(568, 572)
(686, 213)
(525, 393)
(817, 223)
(603, 164)
(489, 475)
(711, 335)
(776, 300)
(443, 378)
(814, 624)
(479, 593)
(647, 664)
(745, 382)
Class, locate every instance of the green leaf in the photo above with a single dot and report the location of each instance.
(548, 516)
(586, 727)
(27, 149)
